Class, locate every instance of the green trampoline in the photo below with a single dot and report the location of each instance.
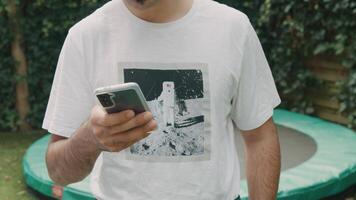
(318, 160)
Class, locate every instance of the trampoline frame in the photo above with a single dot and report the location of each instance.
(327, 172)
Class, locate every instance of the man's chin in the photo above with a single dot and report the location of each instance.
(142, 4)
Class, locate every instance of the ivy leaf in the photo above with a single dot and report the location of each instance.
(320, 49)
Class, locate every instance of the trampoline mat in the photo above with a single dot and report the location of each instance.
(296, 148)
(318, 163)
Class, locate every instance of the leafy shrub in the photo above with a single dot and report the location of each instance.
(8, 116)
(290, 31)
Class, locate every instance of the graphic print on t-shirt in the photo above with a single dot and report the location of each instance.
(177, 95)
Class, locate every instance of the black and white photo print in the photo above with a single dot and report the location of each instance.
(178, 97)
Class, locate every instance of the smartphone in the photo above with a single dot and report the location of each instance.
(117, 98)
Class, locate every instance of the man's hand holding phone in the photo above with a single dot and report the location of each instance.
(120, 119)
(117, 131)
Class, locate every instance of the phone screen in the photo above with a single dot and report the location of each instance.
(121, 100)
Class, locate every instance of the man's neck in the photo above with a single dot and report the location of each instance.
(162, 11)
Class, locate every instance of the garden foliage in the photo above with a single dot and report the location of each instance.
(290, 31)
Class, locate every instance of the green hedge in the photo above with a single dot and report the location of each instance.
(44, 39)
(293, 31)
(8, 114)
(290, 32)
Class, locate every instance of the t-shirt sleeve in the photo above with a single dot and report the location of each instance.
(256, 94)
(71, 97)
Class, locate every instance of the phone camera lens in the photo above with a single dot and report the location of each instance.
(105, 100)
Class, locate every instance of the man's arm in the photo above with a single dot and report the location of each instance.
(71, 160)
(263, 161)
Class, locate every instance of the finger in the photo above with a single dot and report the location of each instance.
(109, 120)
(127, 139)
(139, 120)
(135, 134)
(97, 113)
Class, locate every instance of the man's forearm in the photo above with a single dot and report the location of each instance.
(71, 160)
(263, 164)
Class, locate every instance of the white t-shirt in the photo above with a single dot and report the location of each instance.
(215, 61)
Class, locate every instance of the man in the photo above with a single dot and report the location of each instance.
(212, 54)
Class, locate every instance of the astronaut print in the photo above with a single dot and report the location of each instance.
(178, 97)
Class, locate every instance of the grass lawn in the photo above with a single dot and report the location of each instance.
(12, 148)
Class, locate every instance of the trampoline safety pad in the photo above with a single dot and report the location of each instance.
(330, 170)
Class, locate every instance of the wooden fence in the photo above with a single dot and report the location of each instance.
(325, 96)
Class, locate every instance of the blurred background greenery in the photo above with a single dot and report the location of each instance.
(310, 45)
